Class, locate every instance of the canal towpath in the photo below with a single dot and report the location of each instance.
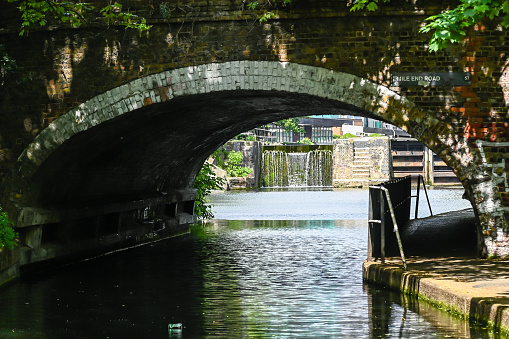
(442, 268)
(475, 289)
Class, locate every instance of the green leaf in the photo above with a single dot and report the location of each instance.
(252, 5)
(434, 46)
(8, 237)
(266, 16)
(481, 8)
(372, 6)
(470, 12)
(505, 7)
(443, 34)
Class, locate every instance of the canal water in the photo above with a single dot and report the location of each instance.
(274, 264)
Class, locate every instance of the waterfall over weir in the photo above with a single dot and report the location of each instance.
(287, 168)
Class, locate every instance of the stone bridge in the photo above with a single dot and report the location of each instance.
(103, 131)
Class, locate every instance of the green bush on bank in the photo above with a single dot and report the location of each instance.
(306, 141)
(233, 166)
(348, 136)
(245, 137)
(8, 237)
(205, 182)
(231, 162)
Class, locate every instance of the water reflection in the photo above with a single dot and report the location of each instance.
(285, 204)
(229, 279)
(288, 279)
(319, 204)
(301, 279)
(394, 315)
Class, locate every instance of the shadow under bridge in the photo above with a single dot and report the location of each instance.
(393, 233)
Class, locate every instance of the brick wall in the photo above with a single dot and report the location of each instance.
(63, 68)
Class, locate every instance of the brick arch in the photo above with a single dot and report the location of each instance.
(362, 96)
(352, 90)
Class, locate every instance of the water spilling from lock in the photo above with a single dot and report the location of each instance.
(296, 166)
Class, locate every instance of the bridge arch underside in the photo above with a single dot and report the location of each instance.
(130, 156)
(160, 147)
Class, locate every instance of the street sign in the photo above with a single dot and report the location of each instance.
(426, 79)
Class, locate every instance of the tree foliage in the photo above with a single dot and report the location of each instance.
(370, 5)
(73, 13)
(245, 137)
(290, 125)
(269, 6)
(451, 26)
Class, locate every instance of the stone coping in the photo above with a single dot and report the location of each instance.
(474, 289)
(356, 183)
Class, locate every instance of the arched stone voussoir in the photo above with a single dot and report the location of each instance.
(362, 96)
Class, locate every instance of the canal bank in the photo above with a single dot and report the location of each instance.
(474, 289)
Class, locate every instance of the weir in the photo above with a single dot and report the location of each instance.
(296, 166)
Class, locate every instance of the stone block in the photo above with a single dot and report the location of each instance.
(32, 236)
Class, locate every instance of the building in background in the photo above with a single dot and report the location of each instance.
(322, 129)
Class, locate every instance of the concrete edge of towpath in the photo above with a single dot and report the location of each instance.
(442, 292)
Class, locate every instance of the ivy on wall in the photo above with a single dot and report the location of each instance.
(450, 26)
(36, 14)
(8, 237)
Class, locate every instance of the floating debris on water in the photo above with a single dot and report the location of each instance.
(175, 329)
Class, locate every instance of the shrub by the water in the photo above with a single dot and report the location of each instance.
(306, 141)
(206, 181)
(233, 166)
(348, 136)
(8, 237)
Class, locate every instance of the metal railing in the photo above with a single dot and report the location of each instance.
(399, 209)
(420, 180)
